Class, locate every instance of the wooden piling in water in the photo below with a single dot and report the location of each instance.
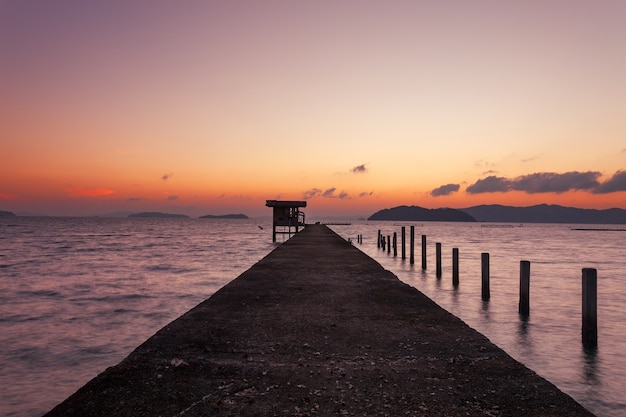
(484, 262)
(438, 259)
(524, 288)
(388, 244)
(423, 251)
(412, 249)
(455, 267)
(590, 308)
(403, 243)
(395, 244)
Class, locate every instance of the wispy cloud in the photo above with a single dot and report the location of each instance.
(445, 190)
(551, 182)
(313, 192)
(166, 177)
(366, 193)
(172, 197)
(359, 169)
(134, 199)
(7, 196)
(328, 193)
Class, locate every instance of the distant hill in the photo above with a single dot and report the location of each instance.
(416, 213)
(6, 214)
(159, 215)
(224, 216)
(545, 213)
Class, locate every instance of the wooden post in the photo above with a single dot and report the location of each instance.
(423, 251)
(388, 244)
(590, 307)
(403, 243)
(484, 261)
(379, 239)
(412, 248)
(438, 259)
(395, 244)
(524, 288)
(455, 267)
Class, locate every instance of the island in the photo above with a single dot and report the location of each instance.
(156, 214)
(6, 214)
(416, 213)
(224, 216)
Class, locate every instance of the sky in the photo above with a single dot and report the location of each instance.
(214, 107)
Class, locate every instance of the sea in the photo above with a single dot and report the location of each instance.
(77, 295)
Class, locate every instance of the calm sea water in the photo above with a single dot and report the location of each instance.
(79, 294)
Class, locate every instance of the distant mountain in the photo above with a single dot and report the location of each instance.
(416, 213)
(224, 216)
(159, 215)
(545, 213)
(6, 214)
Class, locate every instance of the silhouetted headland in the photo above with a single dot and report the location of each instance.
(545, 213)
(318, 328)
(224, 216)
(416, 213)
(6, 214)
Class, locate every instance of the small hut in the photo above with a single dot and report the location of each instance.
(287, 215)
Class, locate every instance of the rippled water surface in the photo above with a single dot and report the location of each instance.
(77, 295)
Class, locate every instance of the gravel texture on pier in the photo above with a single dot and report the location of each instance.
(317, 328)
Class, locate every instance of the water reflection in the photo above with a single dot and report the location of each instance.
(590, 367)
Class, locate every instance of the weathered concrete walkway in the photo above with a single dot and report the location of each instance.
(318, 328)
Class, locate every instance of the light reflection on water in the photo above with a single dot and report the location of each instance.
(549, 340)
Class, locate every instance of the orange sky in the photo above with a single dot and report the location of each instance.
(206, 107)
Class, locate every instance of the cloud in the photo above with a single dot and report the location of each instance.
(7, 196)
(172, 197)
(491, 184)
(166, 177)
(134, 199)
(445, 190)
(616, 183)
(313, 192)
(366, 193)
(551, 182)
(328, 193)
(359, 169)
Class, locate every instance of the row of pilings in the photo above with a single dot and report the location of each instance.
(389, 243)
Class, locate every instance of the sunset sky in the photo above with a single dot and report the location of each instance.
(213, 107)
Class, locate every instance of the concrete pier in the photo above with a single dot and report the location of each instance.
(318, 328)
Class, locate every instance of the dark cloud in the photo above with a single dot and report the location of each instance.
(551, 182)
(366, 193)
(445, 190)
(616, 183)
(313, 192)
(491, 184)
(134, 199)
(328, 193)
(172, 197)
(359, 169)
(166, 177)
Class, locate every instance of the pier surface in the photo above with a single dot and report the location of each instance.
(318, 328)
